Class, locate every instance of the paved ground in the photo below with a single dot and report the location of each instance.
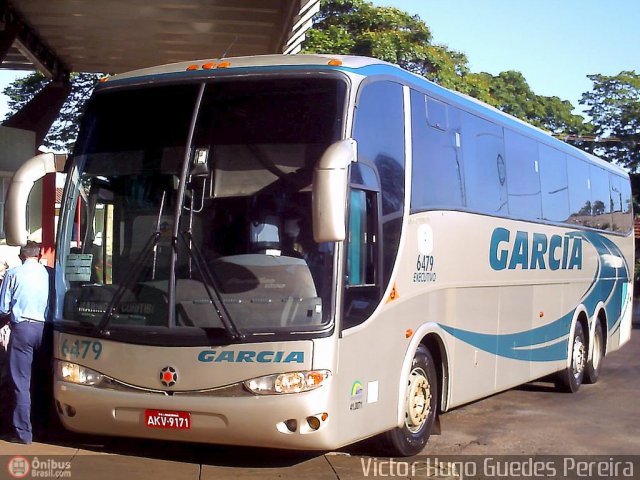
(602, 419)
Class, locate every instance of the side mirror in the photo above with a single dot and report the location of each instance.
(15, 216)
(329, 195)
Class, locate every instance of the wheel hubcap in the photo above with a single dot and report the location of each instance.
(418, 400)
(579, 357)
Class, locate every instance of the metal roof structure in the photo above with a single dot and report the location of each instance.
(113, 36)
(58, 37)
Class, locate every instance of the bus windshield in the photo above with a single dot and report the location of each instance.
(188, 212)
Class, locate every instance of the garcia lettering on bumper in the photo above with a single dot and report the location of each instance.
(250, 356)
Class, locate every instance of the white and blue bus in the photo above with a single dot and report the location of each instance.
(305, 251)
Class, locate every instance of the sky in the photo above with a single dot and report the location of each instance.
(554, 43)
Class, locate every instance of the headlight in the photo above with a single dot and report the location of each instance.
(292, 382)
(71, 372)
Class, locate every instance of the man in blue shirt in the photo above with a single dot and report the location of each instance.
(24, 298)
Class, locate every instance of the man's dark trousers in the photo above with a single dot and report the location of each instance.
(25, 345)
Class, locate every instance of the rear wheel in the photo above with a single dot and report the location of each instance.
(570, 379)
(592, 371)
(421, 403)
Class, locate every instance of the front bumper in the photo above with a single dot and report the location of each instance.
(250, 420)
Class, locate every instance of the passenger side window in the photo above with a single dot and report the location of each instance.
(485, 170)
(437, 174)
(554, 184)
(600, 199)
(621, 203)
(579, 191)
(523, 180)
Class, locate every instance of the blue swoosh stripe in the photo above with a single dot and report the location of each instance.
(550, 342)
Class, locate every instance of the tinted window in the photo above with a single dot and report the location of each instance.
(131, 131)
(363, 290)
(579, 191)
(365, 176)
(436, 112)
(553, 184)
(621, 204)
(437, 177)
(621, 212)
(362, 237)
(523, 181)
(600, 199)
(379, 131)
(280, 110)
(485, 171)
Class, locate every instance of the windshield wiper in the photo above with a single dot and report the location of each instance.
(138, 265)
(136, 270)
(209, 284)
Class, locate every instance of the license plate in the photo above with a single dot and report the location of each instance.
(167, 419)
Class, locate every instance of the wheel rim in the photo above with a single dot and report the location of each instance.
(418, 400)
(597, 351)
(579, 357)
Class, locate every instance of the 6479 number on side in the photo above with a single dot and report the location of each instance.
(424, 272)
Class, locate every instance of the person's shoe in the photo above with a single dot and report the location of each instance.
(16, 439)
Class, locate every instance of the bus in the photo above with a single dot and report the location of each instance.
(302, 252)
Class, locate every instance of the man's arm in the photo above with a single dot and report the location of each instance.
(5, 299)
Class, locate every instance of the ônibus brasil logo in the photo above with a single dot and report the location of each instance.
(21, 467)
(18, 467)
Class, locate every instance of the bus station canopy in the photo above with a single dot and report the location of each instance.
(112, 36)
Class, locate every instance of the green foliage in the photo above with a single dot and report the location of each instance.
(24, 89)
(614, 108)
(510, 92)
(64, 131)
(357, 27)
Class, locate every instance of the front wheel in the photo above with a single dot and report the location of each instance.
(421, 403)
(570, 379)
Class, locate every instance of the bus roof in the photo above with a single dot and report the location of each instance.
(347, 61)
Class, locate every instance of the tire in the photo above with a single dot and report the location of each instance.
(594, 365)
(570, 379)
(421, 406)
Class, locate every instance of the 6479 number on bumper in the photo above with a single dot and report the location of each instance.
(167, 419)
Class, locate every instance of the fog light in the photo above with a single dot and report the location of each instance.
(313, 422)
(71, 412)
(291, 424)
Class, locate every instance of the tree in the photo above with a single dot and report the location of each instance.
(64, 131)
(357, 27)
(614, 108)
(510, 92)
